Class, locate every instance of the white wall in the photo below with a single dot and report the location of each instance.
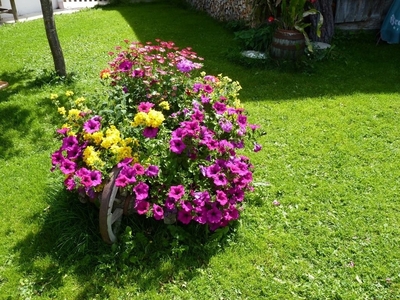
(27, 6)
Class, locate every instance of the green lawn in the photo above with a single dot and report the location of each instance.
(330, 158)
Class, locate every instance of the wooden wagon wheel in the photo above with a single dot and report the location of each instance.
(111, 209)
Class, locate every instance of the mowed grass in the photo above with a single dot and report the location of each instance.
(322, 223)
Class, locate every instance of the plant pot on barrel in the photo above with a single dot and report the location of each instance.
(287, 44)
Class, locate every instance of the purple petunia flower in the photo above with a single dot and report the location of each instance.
(92, 125)
(204, 99)
(95, 176)
(69, 142)
(70, 183)
(158, 212)
(62, 131)
(176, 145)
(57, 157)
(121, 181)
(125, 66)
(219, 107)
(242, 120)
(170, 203)
(226, 125)
(176, 192)
(257, 147)
(185, 65)
(125, 162)
(141, 191)
(221, 197)
(184, 216)
(201, 216)
(152, 171)
(139, 170)
(212, 170)
(129, 173)
(208, 88)
(214, 215)
(220, 179)
(142, 206)
(138, 73)
(197, 87)
(150, 132)
(254, 126)
(86, 181)
(74, 152)
(67, 166)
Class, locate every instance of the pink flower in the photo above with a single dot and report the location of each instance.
(142, 207)
(214, 215)
(92, 125)
(158, 212)
(152, 171)
(184, 216)
(145, 106)
(177, 145)
(150, 132)
(176, 192)
(221, 197)
(141, 191)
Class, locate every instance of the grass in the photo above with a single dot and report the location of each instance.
(329, 158)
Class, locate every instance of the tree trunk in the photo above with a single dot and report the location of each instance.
(52, 37)
(327, 30)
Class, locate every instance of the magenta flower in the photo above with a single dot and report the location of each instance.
(257, 147)
(141, 191)
(125, 162)
(242, 120)
(184, 216)
(226, 125)
(176, 192)
(142, 206)
(67, 166)
(158, 212)
(187, 206)
(95, 176)
(86, 181)
(221, 197)
(57, 157)
(69, 142)
(152, 171)
(197, 87)
(210, 78)
(139, 170)
(208, 88)
(145, 106)
(125, 66)
(212, 170)
(92, 125)
(201, 215)
(220, 179)
(74, 152)
(138, 73)
(62, 131)
(204, 99)
(185, 66)
(129, 173)
(176, 145)
(170, 203)
(70, 183)
(219, 107)
(254, 126)
(179, 133)
(150, 132)
(121, 181)
(214, 215)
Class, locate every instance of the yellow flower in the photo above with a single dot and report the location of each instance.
(141, 118)
(69, 93)
(97, 137)
(73, 114)
(113, 137)
(53, 96)
(164, 105)
(91, 157)
(155, 118)
(79, 100)
(62, 110)
(124, 152)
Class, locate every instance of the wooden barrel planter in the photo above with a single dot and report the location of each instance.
(287, 44)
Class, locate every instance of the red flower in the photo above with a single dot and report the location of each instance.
(272, 19)
(313, 1)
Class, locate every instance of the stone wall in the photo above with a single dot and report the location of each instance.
(224, 10)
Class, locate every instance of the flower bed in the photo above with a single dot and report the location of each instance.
(176, 134)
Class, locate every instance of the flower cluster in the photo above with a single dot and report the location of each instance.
(177, 138)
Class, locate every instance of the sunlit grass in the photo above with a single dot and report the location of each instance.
(329, 158)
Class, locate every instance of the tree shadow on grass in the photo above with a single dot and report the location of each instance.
(17, 120)
(147, 255)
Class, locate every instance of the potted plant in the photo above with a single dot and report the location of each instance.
(290, 17)
(168, 138)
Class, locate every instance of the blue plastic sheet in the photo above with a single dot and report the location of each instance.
(390, 30)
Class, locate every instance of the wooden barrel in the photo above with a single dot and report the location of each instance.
(287, 44)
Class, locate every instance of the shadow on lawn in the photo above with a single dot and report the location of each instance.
(155, 254)
(356, 65)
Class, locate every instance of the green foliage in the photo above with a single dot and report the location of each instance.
(329, 159)
(258, 39)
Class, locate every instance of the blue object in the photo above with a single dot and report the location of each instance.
(390, 30)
